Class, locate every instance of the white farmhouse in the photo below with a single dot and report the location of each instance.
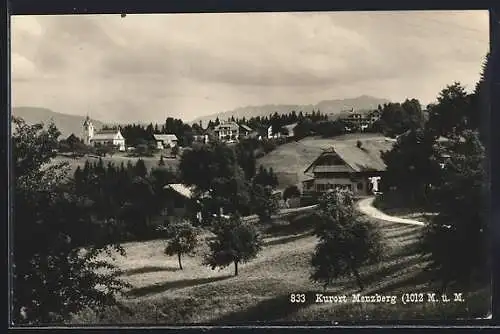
(164, 141)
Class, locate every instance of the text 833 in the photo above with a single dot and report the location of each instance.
(297, 298)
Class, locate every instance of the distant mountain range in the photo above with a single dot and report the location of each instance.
(326, 107)
(67, 124)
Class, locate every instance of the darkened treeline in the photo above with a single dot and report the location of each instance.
(440, 166)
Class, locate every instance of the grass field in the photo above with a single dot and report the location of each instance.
(117, 159)
(163, 294)
(290, 160)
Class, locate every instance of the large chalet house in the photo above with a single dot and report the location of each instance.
(361, 119)
(347, 166)
(102, 137)
(231, 131)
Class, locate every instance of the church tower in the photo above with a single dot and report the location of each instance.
(88, 130)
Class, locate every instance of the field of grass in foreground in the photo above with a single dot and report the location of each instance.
(162, 294)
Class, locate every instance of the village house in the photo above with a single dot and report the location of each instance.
(289, 130)
(165, 141)
(102, 137)
(347, 166)
(181, 201)
(231, 131)
(201, 134)
(361, 119)
(245, 131)
(178, 197)
(272, 133)
(204, 138)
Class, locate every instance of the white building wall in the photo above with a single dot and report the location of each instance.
(325, 184)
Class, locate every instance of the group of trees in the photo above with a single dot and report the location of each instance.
(275, 119)
(440, 166)
(62, 224)
(397, 118)
(55, 269)
(129, 194)
(222, 179)
(234, 241)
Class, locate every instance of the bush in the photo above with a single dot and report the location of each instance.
(291, 191)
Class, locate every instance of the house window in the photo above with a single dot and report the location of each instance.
(360, 186)
(321, 187)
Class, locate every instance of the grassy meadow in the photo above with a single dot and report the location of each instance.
(163, 294)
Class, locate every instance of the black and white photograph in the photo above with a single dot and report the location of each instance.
(240, 168)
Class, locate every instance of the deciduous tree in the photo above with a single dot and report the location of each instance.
(346, 240)
(183, 239)
(235, 242)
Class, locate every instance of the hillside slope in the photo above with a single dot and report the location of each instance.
(162, 294)
(290, 160)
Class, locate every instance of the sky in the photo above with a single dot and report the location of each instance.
(149, 67)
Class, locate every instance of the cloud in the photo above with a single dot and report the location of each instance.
(185, 65)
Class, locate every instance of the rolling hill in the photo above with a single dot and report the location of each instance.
(326, 106)
(67, 124)
(290, 160)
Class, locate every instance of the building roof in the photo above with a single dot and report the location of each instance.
(246, 127)
(181, 189)
(105, 135)
(290, 127)
(230, 125)
(366, 158)
(167, 137)
(345, 114)
(185, 191)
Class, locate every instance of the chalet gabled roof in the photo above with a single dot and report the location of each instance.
(366, 158)
(181, 189)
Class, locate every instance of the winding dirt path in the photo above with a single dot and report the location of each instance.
(366, 206)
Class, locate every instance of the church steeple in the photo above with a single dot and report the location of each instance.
(88, 130)
(87, 121)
